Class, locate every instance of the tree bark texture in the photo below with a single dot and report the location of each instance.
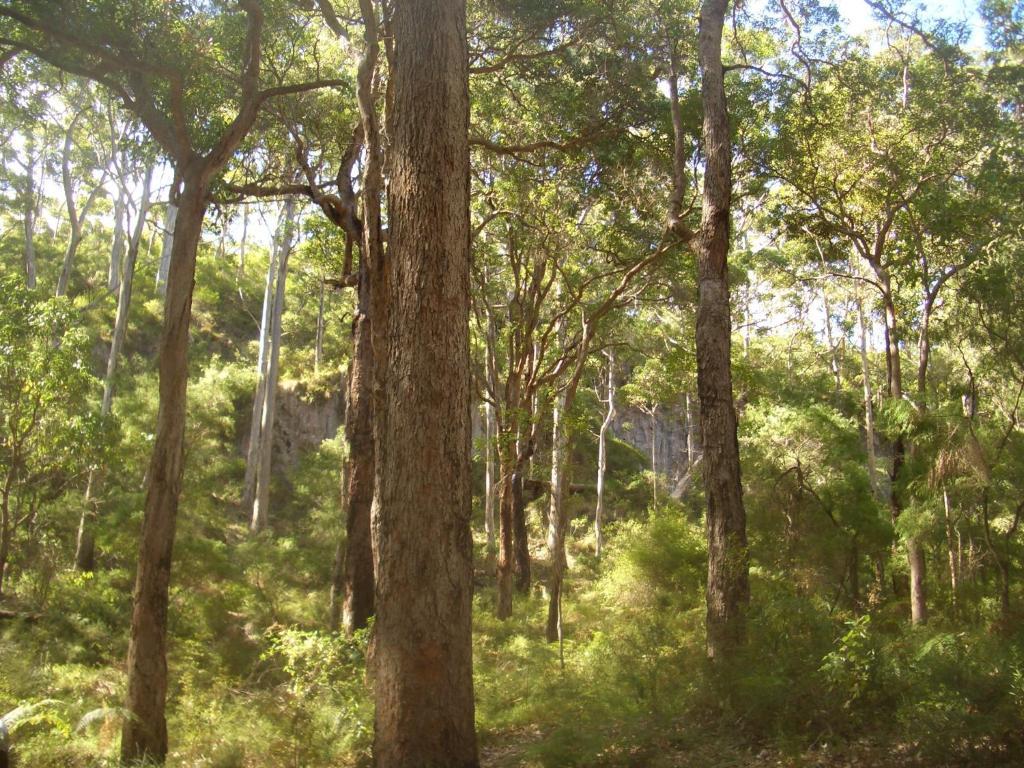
(728, 590)
(144, 735)
(423, 671)
(358, 563)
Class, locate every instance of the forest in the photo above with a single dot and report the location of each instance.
(460, 383)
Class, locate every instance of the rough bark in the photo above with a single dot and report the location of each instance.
(727, 590)
(144, 735)
(358, 561)
(421, 522)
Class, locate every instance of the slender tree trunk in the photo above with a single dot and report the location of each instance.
(261, 500)
(5, 530)
(692, 425)
(423, 667)
(520, 533)
(358, 564)
(145, 733)
(318, 347)
(117, 248)
(85, 545)
(557, 518)
(489, 485)
(506, 555)
(243, 242)
(337, 597)
(951, 545)
(869, 404)
(29, 220)
(262, 369)
(167, 249)
(728, 592)
(75, 234)
(654, 454)
(602, 458)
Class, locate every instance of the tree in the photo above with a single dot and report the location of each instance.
(728, 591)
(422, 544)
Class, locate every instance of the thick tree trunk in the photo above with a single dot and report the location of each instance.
(602, 458)
(728, 591)
(358, 563)
(423, 669)
(144, 735)
(557, 522)
(261, 499)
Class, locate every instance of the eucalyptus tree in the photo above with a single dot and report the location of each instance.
(867, 157)
(177, 84)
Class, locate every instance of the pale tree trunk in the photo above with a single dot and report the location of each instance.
(488, 477)
(262, 366)
(29, 220)
(117, 247)
(243, 242)
(692, 449)
(951, 544)
(602, 458)
(653, 413)
(869, 404)
(167, 249)
(358, 560)
(76, 216)
(318, 345)
(423, 667)
(85, 546)
(728, 591)
(557, 522)
(144, 735)
(261, 500)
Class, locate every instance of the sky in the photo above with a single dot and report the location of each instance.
(858, 14)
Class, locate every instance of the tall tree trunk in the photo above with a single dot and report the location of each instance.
(167, 249)
(144, 735)
(337, 597)
(505, 540)
(489, 484)
(951, 546)
(692, 425)
(423, 668)
(358, 563)
(557, 522)
(602, 458)
(5, 528)
(520, 533)
(85, 544)
(243, 242)
(260, 514)
(869, 404)
(318, 345)
(117, 247)
(728, 591)
(262, 368)
(29, 219)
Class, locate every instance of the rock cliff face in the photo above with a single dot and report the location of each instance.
(633, 426)
(303, 421)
